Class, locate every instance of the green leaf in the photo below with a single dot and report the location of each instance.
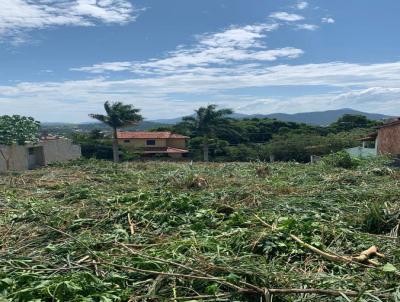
(389, 268)
(212, 289)
(232, 277)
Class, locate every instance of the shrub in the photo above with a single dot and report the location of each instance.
(341, 159)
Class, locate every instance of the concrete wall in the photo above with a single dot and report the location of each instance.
(16, 156)
(59, 150)
(389, 140)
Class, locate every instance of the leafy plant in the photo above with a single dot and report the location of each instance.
(18, 129)
(341, 159)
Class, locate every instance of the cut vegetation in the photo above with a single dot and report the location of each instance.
(97, 231)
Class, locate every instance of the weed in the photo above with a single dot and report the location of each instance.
(379, 219)
(96, 231)
(341, 159)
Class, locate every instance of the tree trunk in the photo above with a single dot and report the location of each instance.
(205, 150)
(115, 146)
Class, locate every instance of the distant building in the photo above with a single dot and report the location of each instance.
(48, 150)
(152, 143)
(385, 141)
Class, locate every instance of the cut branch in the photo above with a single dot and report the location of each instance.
(362, 259)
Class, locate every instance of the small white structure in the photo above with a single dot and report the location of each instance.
(362, 152)
(30, 156)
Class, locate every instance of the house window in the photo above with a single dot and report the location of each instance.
(31, 151)
(127, 141)
(151, 142)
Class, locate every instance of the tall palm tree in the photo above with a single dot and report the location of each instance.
(205, 123)
(118, 116)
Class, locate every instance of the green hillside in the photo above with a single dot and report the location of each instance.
(159, 231)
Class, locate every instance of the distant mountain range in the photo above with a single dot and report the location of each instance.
(321, 118)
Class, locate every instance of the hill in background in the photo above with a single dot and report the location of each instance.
(319, 118)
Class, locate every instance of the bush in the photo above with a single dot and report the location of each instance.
(93, 149)
(341, 159)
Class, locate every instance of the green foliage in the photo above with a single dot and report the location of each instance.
(92, 147)
(299, 146)
(96, 134)
(242, 152)
(379, 218)
(206, 123)
(18, 129)
(349, 121)
(341, 159)
(63, 228)
(258, 139)
(118, 115)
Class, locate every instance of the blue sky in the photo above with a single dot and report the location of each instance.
(60, 60)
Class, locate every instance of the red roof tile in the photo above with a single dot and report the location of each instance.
(148, 135)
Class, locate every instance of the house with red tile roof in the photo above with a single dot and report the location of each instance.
(152, 143)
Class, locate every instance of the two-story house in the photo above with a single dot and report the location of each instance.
(151, 143)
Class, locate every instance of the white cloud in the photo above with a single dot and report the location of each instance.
(302, 5)
(310, 27)
(17, 16)
(235, 45)
(369, 87)
(110, 66)
(375, 100)
(284, 16)
(213, 69)
(328, 20)
(385, 99)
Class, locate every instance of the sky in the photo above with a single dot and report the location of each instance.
(62, 59)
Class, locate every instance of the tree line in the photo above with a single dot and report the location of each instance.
(214, 135)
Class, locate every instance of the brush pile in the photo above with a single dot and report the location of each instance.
(95, 231)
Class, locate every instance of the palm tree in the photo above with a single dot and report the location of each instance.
(205, 123)
(118, 116)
